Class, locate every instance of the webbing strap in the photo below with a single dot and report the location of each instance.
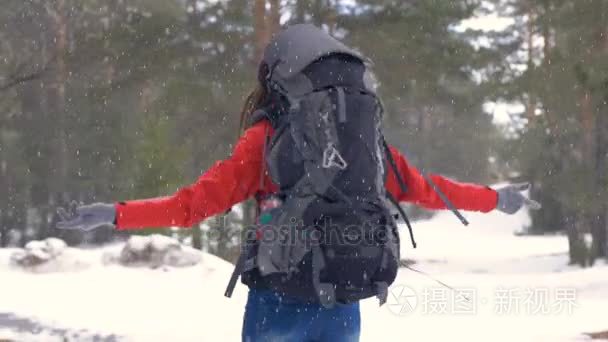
(403, 215)
(263, 168)
(341, 105)
(242, 264)
(393, 165)
(239, 268)
(325, 291)
(403, 187)
(381, 288)
(445, 199)
(428, 179)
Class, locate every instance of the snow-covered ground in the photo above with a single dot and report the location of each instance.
(519, 289)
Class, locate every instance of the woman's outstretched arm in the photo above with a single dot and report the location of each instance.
(465, 196)
(226, 183)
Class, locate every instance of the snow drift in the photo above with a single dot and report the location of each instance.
(154, 251)
(50, 255)
(187, 303)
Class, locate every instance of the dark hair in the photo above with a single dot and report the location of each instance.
(255, 100)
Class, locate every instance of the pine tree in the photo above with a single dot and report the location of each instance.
(563, 144)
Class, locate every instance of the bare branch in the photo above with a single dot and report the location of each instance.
(18, 77)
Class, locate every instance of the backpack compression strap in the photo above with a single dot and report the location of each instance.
(445, 199)
(440, 193)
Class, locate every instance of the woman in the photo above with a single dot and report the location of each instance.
(270, 316)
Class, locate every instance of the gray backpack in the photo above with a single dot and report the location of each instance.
(332, 238)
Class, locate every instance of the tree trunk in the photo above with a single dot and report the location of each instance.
(317, 12)
(546, 44)
(600, 229)
(260, 29)
(301, 6)
(331, 17)
(56, 95)
(36, 136)
(197, 241)
(598, 233)
(5, 200)
(3, 229)
(587, 124)
(274, 23)
(577, 247)
(61, 51)
(603, 163)
(531, 102)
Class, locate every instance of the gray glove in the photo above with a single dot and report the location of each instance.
(87, 217)
(510, 198)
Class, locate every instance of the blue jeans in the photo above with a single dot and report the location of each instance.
(270, 317)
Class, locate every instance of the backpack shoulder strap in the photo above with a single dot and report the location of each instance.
(393, 164)
(263, 166)
(403, 187)
(257, 116)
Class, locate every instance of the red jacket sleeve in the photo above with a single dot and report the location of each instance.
(465, 196)
(226, 183)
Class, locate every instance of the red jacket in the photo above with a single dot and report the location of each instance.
(237, 178)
